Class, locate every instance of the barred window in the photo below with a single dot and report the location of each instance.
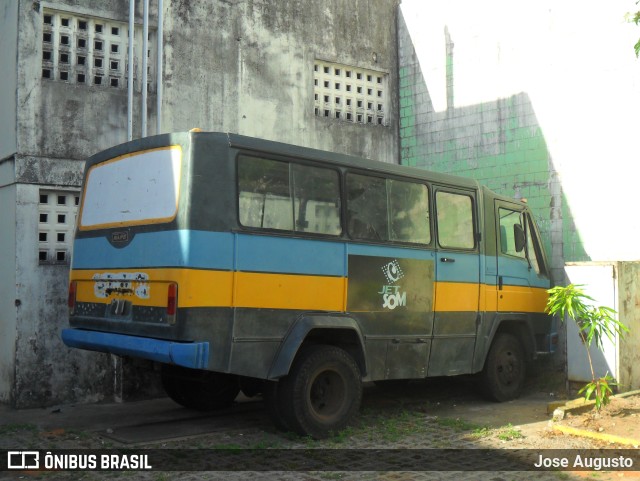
(57, 211)
(77, 49)
(350, 94)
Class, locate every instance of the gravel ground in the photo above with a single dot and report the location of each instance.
(394, 438)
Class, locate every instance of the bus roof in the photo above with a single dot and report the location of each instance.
(287, 150)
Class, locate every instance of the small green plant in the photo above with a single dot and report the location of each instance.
(482, 432)
(509, 433)
(594, 324)
(634, 17)
(459, 424)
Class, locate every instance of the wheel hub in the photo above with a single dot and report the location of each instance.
(327, 394)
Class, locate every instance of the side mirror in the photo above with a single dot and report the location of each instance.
(519, 237)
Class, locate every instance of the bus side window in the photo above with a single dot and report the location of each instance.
(264, 194)
(508, 220)
(387, 209)
(316, 200)
(266, 200)
(455, 220)
(534, 249)
(408, 212)
(367, 205)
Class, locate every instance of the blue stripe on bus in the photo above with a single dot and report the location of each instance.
(258, 253)
(278, 254)
(386, 251)
(176, 248)
(516, 272)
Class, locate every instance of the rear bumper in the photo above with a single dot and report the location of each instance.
(188, 354)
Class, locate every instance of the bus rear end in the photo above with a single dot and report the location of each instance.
(129, 259)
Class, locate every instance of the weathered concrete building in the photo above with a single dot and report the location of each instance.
(318, 74)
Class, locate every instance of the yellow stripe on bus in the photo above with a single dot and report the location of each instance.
(462, 297)
(210, 288)
(456, 296)
(286, 291)
(196, 288)
(522, 299)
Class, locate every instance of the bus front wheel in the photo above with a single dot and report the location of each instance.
(503, 375)
(198, 389)
(322, 393)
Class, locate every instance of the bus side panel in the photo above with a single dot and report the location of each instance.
(212, 204)
(257, 336)
(277, 280)
(526, 316)
(391, 293)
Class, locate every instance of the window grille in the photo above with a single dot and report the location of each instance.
(82, 50)
(57, 211)
(350, 94)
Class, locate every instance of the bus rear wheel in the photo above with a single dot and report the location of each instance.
(274, 406)
(198, 389)
(322, 393)
(504, 371)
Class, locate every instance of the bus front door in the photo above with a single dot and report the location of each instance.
(457, 283)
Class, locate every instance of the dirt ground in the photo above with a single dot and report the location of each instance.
(621, 417)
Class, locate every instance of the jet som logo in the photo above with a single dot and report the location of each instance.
(392, 297)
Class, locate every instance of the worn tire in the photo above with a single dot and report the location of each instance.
(504, 370)
(322, 393)
(274, 407)
(198, 389)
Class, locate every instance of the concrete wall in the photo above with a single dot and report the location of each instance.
(8, 316)
(58, 120)
(628, 307)
(242, 67)
(8, 77)
(46, 371)
(238, 66)
(537, 100)
(247, 67)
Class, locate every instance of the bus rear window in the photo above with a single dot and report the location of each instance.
(139, 188)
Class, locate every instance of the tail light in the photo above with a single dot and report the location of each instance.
(71, 300)
(172, 302)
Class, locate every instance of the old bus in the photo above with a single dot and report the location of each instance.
(244, 264)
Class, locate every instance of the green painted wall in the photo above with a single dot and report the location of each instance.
(499, 143)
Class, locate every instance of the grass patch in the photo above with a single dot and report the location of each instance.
(395, 427)
(228, 446)
(461, 425)
(509, 433)
(16, 428)
(265, 444)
